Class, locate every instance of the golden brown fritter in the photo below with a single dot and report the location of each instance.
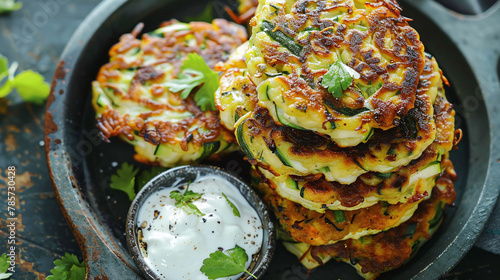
(285, 151)
(295, 43)
(315, 228)
(236, 95)
(372, 255)
(407, 183)
(132, 100)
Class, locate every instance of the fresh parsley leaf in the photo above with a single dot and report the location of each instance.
(31, 87)
(185, 201)
(338, 78)
(235, 210)
(4, 266)
(9, 6)
(4, 263)
(191, 209)
(4, 67)
(146, 175)
(6, 72)
(186, 82)
(68, 268)
(29, 84)
(195, 72)
(207, 15)
(124, 180)
(176, 195)
(221, 265)
(190, 195)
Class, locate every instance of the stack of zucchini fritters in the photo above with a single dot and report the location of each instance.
(344, 119)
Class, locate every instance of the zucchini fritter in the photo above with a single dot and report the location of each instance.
(295, 43)
(132, 101)
(407, 183)
(316, 228)
(283, 150)
(236, 95)
(411, 183)
(375, 254)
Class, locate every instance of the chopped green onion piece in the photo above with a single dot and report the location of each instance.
(339, 216)
(281, 38)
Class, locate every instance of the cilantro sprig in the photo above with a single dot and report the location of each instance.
(4, 266)
(338, 78)
(186, 82)
(223, 265)
(9, 6)
(236, 212)
(145, 175)
(29, 84)
(185, 201)
(126, 179)
(195, 72)
(68, 268)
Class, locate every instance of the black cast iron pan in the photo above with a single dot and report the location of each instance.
(466, 47)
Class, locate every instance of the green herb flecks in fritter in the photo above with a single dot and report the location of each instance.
(284, 150)
(330, 226)
(374, 254)
(339, 68)
(148, 96)
(236, 95)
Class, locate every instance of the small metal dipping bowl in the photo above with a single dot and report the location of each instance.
(179, 176)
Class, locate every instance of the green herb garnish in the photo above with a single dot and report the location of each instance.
(9, 6)
(124, 180)
(146, 175)
(235, 210)
(29, 84)
(195, 72)
(68, 268)
(185, 201)
(338, 78)
(220, 265)
(4, 267)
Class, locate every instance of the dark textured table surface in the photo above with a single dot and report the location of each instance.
(35, 36)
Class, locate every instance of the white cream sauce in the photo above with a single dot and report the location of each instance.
(178, 242)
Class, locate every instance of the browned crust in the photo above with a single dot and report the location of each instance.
(322, 191)
(316, 228)
(307, 143)
(220, 39)
(319, 190)
(404, 52)
(391, 249)
(248, 89)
